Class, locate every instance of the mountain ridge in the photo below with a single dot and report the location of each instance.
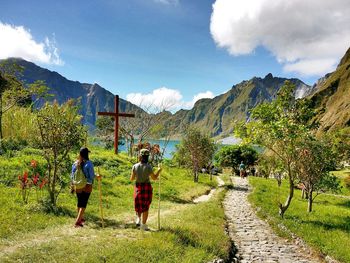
(94, 98)
(331, 98)
(215, 116)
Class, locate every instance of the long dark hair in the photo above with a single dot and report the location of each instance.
(144, 158)
(81, 161)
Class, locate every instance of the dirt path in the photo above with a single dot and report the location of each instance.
(205, 198)
(253, 237)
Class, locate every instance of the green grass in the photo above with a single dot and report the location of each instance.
(327, 228)
(191, 233)
(226, 178)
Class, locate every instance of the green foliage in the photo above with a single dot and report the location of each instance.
(269, 164)
(105, 131)
(347, 182)
(60, 131)
(233, 155)
(13, 92)
(195, 151)
(279, 126)
(340, 143)
(15, 164)
(19, 126)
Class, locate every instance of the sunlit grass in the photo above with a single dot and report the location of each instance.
(191, 233)
(327, 228)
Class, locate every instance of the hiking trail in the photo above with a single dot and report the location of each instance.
(253, 237)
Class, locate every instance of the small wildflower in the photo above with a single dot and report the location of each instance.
(34, 163)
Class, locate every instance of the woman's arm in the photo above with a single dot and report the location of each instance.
(90, 173)
(133, 175)
(155, 176)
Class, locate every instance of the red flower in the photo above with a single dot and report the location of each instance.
(33, 163)
(25, 177)
(35, 179)
(43, 182)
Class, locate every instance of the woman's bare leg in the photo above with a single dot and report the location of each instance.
(144, 217)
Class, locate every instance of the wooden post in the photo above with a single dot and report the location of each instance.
(100, 195)
(116, 115)
(159, 166)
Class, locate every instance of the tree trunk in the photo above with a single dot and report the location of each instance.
(54, 184)
(309, 204)
(195, 178)
(283, 208)
(132, 143)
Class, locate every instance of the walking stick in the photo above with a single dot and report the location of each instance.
(99, 177)
(159, 166)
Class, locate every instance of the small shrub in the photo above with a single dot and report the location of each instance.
(347, 182)
(14, 144)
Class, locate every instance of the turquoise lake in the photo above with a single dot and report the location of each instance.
(169, 151)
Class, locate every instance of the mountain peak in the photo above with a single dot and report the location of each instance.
(345, 59)
(268, 76)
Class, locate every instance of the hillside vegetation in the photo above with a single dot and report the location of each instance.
(42, 233)
(331, 100)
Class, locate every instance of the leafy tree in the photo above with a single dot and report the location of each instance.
(105, 131)
(270, 164)
(233, 155)
(14, 92)
(60, 131)
(314, 163)
(278, 126)
(195, 151)
(340, 143)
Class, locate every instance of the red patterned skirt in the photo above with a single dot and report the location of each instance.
(142, 197)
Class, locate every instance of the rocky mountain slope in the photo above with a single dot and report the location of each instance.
(215, 116)
(332, 97)
(93, 97)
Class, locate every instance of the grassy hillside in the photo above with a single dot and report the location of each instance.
(41, 234)
(331, 100)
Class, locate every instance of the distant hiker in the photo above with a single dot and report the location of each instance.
(242, 169)
(141, 173)
(82, 179)
(252, 170)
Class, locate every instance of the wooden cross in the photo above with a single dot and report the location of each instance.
(116, 115)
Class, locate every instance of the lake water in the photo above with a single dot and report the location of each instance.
(169, 151)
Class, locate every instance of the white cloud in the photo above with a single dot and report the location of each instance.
(167, 2)
(17, 41)
(202, 95)
(165, 99)
(160, 99)
(307, 37)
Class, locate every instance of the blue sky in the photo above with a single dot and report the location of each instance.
(148, 48)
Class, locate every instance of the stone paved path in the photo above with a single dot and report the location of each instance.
(253, 237)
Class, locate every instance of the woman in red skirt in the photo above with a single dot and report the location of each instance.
(141, 173)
